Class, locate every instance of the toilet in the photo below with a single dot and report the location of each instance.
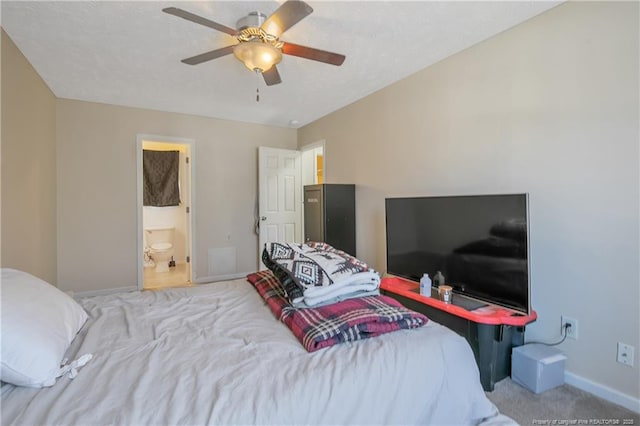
(160, 243)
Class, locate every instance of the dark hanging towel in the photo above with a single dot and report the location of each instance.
(160, 170)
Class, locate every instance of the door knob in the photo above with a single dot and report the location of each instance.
(263, 218)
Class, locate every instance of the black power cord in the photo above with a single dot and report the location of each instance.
(564, 330)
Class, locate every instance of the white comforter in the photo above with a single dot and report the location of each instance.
(215, 354)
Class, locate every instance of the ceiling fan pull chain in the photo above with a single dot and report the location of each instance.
(257, 86)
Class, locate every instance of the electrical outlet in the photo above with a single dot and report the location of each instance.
(625, 354)
(572, 332)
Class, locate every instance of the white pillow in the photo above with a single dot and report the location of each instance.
(38, 324)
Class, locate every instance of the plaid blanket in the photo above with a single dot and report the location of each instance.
(346, 321)
(316, 273)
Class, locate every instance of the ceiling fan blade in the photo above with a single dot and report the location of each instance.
(207, 56)
(313, 54)
(199, 20)
(272, 76)
(286, 16)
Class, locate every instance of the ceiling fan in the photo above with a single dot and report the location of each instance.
(259, 46)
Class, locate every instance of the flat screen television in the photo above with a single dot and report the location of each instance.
(480, 243)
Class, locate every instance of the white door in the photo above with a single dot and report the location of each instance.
(279, 197)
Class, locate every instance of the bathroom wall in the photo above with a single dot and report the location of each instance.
(309, 161)
(171, 216)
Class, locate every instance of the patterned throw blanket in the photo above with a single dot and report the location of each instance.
(346, 321)
(315, 273)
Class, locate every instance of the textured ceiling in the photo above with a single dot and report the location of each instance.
(128, 53)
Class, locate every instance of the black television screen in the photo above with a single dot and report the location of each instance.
(478, 242)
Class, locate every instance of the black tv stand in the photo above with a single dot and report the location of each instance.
(491, 331)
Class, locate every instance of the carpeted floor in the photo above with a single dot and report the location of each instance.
(565, 404)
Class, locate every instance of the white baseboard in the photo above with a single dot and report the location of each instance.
(103, 292)
(602, 391)
(214, 278)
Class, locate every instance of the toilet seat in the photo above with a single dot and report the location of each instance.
(161, 246)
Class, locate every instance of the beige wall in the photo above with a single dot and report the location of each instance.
(97, 236)
(550, 108)
(28, 167)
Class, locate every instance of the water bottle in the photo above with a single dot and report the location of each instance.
(438, 279)
(425, 285)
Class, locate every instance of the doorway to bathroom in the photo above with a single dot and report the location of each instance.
(313, 165)
(165, 181)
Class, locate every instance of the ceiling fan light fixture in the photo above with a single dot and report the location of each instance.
(259, 47)
(257, 55)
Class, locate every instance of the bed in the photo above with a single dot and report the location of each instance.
(215, 354)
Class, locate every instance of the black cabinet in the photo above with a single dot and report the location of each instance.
(330, 215)
(491, 343)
